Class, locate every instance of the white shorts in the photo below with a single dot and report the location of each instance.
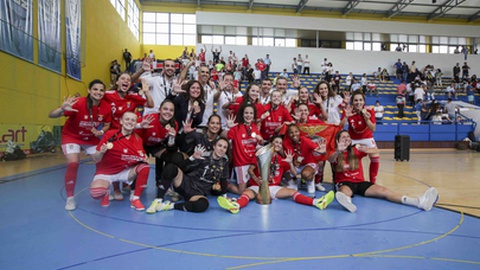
(73, 148)
(313, 165)
(370, 142)
(273, 190)
(118, 177)
(242, 174)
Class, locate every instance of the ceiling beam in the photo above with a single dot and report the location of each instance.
(301, 5)
(250, 4)
(474, 17)
(350, 6)
(399, 6)
(446, 7)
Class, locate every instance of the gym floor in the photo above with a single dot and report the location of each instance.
(37, 233)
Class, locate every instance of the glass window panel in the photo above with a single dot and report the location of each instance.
(367, 36)
(443, 40)
(242, 40)
(280, 42)
(218, 29)
(241, 30)
(435, 40)
(358, 36)
(402, 38)
(422, 48)
(148, 38)
(176, 39)
(290, 42)
(217, 39)
(435, 49)
(176, 28)
(443, 49)
(189, 39)
(176, 18)
(358, 45)
(451, 49)
(162, 39)
(189, 18)
(206, 29)
(349, 45)
(148, 17)
(189, 29)
(255, 41)
(230, 30)
(268, 42)
(367, 46)
(376, 37)
(413, 38)
(349, 36)
(207, 39)
(148, 27)
(412, 48)
(230, 40)
(255, 31)
(268, 32)
(163, 17)
(279, 33)
(462, 41)
(453, 40)
(377, 46)
(162, 28)
(422, 39)
(394, 38)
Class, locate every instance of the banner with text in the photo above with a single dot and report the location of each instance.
(30, 138)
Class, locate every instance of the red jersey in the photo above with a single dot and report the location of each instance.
(201, 56)
(276, 118)
(357, 126)
(238, 102)
(77, 128)
(124, 154)
(156, 134)
(348, 175)
(261, 66)
(277, 167)
(243, 143)
(303, 150)
(121, 105)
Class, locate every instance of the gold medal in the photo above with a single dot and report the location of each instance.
(300, 159)
(109, 145)
(216, 186)
(168, 127)
(267, 114)
(140, 92)
(254, 135)
(195, 103)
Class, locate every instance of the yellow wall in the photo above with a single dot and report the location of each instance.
(28, 92)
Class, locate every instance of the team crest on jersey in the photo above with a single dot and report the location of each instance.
(279, 119)
(128, 104)
(120, 108)
(125, 150)
(85, 117)
(140, 153)
(243, 135)
(154, 133)
(100, 117)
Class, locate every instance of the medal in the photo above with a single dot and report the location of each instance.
(216, 186)
(168, 127)
(195, 103)
(300, 159)
(109, 145)
(140, 92)
(267, 114)
(254, 135)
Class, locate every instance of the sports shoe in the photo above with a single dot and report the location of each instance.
(428, 199)
(153, 206)
(311, 187)
(105, 201)
(319, 187)
(292, 184)
(137, 205)
(70, 205)
(229, 205)
(117, 195)
(345, 201)
(165, 206)
(324, 201)
(173, 195)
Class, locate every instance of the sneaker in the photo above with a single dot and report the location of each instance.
(105, 201)
(428, 199)
(324, 201)
(165, 206)
(153, 206)
(345, 201)
(173, 195)
(117, 195)
(229, 205)
(110, 196)
(292, 184)
(311, 187)
(319, 187)
(137, 205)
(70, 205)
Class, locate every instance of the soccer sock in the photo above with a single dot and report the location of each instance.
(142, 171)
(98, 192)
(71, 178)
(302, 199)
(374, 166)
(410, 201)
(243, 200)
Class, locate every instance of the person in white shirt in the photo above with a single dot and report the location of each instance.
(378, 111)
(306, 65)
(225, 97)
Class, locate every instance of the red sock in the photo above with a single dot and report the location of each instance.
(302, 199)
(243, 200)
(142, 171)
(71, 178)
(374, 166)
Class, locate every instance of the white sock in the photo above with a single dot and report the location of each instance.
(410, 201)
(135, 198)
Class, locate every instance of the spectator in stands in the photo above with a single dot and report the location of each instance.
(451, 90)
(295, 66)
(363, 82)
(372, 87)
(337, 79)
(425, 111)
(451, 109)
(401, 101)
(348, 81)
(306, 65)
(470, 93)
(398, 67)
(299, 63)
(376, 74)
(379, 110)
(418, 110)
(401, 88)
(268, 62)
(465, 70)
(419, 92)
(438, 77)
(405, 70)
(384, 76)
(437, 118)
(456, 75)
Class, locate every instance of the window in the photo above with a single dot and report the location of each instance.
(363, 41)
(133, 18)
(119, 6)
(170, 29)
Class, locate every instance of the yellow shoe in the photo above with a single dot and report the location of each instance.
(324, 201)
(229, 205)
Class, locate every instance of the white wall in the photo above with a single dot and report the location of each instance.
(346, 61)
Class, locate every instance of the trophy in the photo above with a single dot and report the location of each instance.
(264, 157)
